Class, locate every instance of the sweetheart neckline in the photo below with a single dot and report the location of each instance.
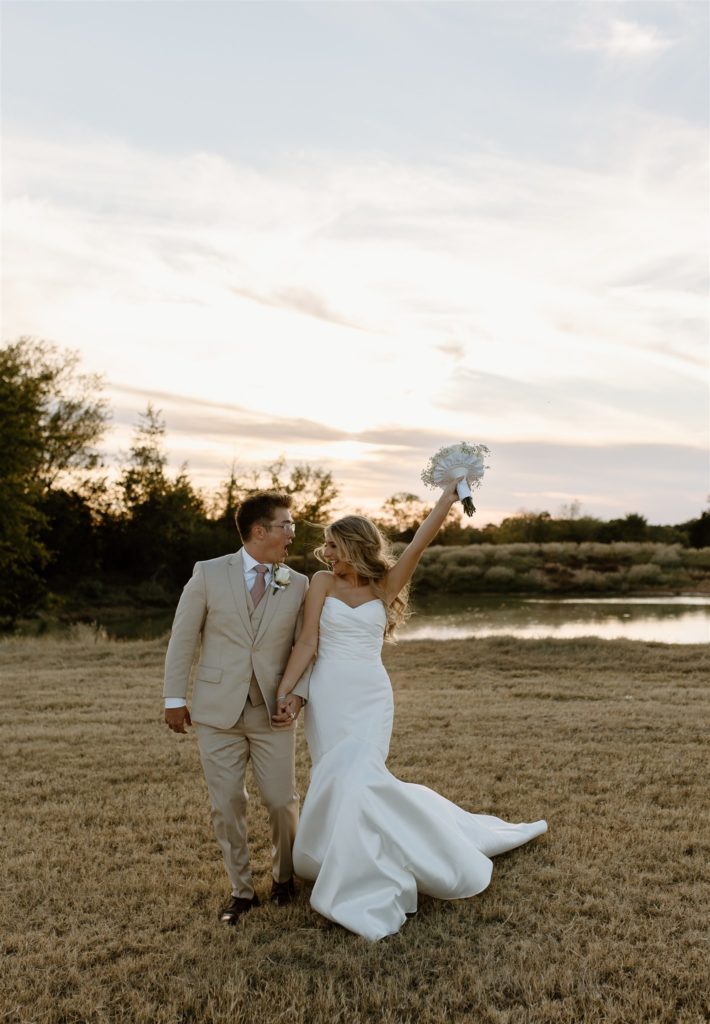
(353, 607)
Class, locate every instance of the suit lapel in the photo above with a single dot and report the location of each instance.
(239, 590)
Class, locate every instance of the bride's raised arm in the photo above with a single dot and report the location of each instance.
(402, 571)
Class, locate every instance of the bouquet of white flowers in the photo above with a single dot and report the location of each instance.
(455, 461)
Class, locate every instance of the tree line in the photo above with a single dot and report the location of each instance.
(71, 532)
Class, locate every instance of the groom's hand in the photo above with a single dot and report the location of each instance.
(177, 719)
(287, 709)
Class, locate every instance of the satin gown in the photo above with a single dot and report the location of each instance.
(368, 840)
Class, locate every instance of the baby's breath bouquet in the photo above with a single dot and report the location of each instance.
(455, 461)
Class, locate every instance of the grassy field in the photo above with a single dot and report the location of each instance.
(112, 878)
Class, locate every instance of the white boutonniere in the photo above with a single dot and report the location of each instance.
(281, 577)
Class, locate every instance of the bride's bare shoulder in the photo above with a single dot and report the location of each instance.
(322, 580)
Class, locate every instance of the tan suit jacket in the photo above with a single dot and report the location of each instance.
(213, 609)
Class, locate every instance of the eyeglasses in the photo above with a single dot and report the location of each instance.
(290, 527)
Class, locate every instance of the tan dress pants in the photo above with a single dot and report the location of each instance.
(224, 754)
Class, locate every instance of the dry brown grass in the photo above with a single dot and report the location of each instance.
(113, 878)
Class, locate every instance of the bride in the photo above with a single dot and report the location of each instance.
(368, 840)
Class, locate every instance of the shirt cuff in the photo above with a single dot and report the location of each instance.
(175, 702)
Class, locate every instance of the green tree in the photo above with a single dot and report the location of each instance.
(401, 515)
(71, 536)
(144, 480)
(67, 415)
(632, 527)
(314, 493)
(226, 500)
(52, 419)
(698, 530)
(313, 489)
(162, 526)
(525, 527)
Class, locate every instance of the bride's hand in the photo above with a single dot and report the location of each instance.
(449, 496)
(288, 707)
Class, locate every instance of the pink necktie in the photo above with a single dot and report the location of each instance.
(259, 588)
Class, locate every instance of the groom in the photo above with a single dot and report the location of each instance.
(245, 610)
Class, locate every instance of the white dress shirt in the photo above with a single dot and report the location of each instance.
(249, 564)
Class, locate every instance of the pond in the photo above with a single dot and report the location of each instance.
(670, 620)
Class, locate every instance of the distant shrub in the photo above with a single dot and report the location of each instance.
(499, 576)
(538, 580)
(649, 573)
(562, 567)
(615, 581)
(679, 578)
(476, 555)
(697, 557)
(433, 554)
(502, 552)
(667, 555)
(516, 556)
(535, 581)
(594, 551)
(589, 579)
(601, 557)
(566, 553)
(466, 557)
(463, 579)
(631, 552)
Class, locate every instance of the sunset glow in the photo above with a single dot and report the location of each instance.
(357, 260)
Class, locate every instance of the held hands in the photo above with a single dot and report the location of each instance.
(288, 707)
(177, 719)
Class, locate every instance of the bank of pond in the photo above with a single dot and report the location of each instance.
(562, 569)
(638, 591)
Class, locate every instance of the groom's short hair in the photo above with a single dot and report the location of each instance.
(258, 509)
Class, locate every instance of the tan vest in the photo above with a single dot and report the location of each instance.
(255, 617)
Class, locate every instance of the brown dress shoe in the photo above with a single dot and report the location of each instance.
(237, 906)
(283, 893)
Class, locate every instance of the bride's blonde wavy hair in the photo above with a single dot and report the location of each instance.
(360, 543)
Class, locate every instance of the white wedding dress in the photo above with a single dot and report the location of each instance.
(369, 841)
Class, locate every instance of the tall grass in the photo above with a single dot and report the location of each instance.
(558, 568)
(111, 876)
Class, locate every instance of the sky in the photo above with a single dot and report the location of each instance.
(349, 233)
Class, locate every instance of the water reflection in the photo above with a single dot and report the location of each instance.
(670, 620)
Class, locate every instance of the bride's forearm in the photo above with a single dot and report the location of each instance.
(299, 660)
(433, 523)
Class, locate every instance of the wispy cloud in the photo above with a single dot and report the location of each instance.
(453, 349)
(372, 464)
(214, 420)
(497, 299)
(622, 38)
(300, 300)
